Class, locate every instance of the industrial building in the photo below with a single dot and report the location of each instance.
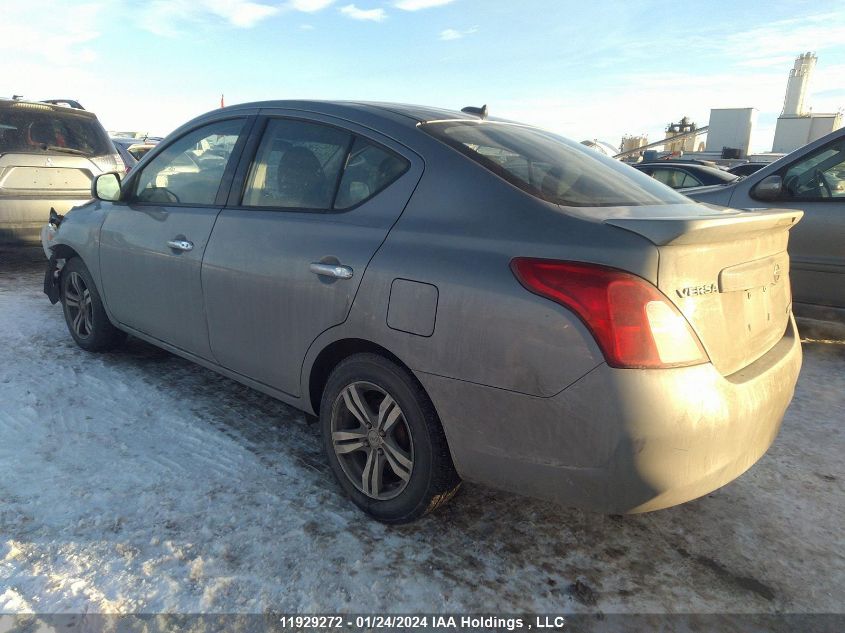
(729, 133)
(631, 143)
(798, 124)
(687, 143)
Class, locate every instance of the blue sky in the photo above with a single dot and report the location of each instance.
(584, 69)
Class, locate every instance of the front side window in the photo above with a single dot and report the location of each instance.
(190, 169)
(550, 167)
(820, 175)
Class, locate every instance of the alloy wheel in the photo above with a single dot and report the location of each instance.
(78, 304)
(372, 441)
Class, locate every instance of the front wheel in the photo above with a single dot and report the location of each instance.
(384, 441)
(84, 312)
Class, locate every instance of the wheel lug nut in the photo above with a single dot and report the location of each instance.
(381, 433)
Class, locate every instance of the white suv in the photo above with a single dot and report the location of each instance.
(49, 154)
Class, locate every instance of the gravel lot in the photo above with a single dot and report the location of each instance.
(136, 481)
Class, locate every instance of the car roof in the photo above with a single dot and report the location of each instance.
(675, 163)
(26, 104)
(411, 114)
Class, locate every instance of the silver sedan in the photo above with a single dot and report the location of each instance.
(455, 297)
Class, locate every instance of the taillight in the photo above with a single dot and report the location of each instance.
(108, 162)
(634, 324)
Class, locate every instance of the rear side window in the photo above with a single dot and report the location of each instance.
(298, 165)
(369, 169)
(674, 178)
(32, 127)
(303, 165)
(550, 167)
(190, 169)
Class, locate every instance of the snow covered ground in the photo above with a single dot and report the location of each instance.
(135, 481)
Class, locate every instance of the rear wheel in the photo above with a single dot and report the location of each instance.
(84, 312)
(384, 441)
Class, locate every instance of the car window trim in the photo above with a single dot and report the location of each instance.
(225, 180)
(349, 145)
(238, 189)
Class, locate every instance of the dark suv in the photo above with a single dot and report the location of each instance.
(49, 153)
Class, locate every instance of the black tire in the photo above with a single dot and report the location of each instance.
(432, 480)
(90, 326)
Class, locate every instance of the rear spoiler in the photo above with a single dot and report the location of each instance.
(696, 230)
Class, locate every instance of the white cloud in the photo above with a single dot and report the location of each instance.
(773, 44)
(455, 34)
(373, 15)
(243, 14)
(306, 27)
(166, 17)
(310, 6)
(747, 68)
(63, 34)
(416, 5)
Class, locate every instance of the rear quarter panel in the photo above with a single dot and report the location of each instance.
(459, 233)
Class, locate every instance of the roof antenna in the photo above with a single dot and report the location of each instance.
(481, 112)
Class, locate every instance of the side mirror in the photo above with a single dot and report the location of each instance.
(770, 188)
(106, 187)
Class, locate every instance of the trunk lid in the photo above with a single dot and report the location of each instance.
(46, 174)
(727, 271)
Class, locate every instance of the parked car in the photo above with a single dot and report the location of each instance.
(454, 297)
(136, 147)
(140, 148)
(122, 145)
(746, 169)
(679, 175)
(812, 179)
(48, 156)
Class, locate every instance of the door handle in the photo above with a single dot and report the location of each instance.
(331, 270)
(180, 245)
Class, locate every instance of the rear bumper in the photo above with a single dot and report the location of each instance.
(21, 219)
(618, 440)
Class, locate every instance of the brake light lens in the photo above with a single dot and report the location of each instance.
(634, 324)
(108, 162)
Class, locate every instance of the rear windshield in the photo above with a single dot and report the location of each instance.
(551, 167)
(26, 128)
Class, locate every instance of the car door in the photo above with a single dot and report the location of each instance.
(815, 183)
(287, 255)
(151, 246)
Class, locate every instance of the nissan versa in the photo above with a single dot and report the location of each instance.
(455, 297)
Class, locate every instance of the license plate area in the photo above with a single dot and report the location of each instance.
(45, 178)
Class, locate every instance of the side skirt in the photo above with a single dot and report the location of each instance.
(258, 386)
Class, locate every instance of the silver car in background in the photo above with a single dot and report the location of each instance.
(455, 298)
(49, 154)
(812, 178)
